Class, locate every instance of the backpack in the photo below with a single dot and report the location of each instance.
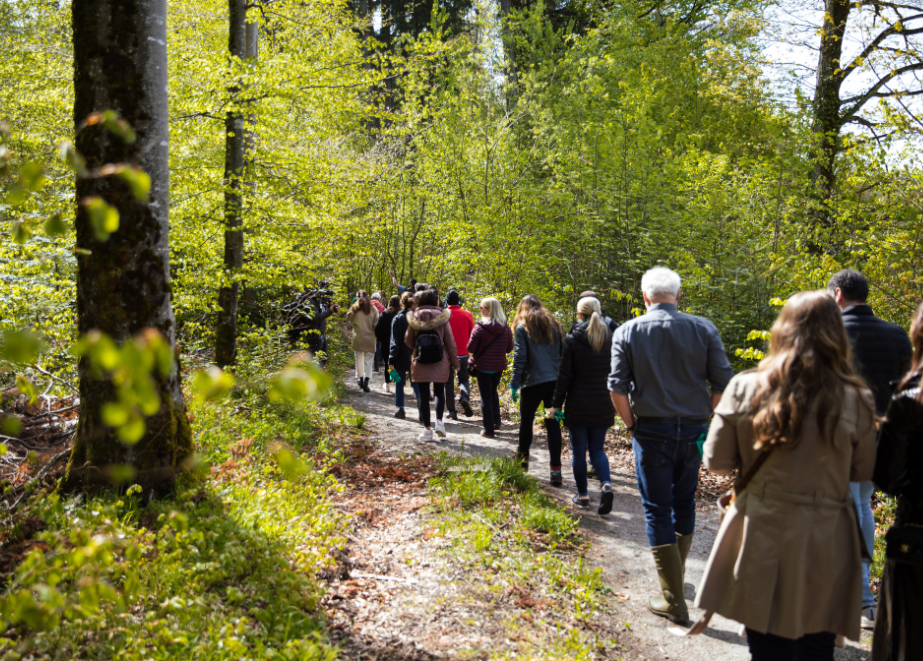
(428, 347)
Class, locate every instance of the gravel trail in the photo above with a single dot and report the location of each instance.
(619, 543)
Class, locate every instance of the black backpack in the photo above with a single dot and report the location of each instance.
(428, 347)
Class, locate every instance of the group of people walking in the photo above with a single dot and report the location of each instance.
(835, 409)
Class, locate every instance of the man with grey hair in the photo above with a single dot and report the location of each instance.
(668, 372)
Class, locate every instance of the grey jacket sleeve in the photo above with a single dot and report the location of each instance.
(719, 369)
(520, 355)
(620, 374)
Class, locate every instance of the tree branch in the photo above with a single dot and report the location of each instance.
(871, 93)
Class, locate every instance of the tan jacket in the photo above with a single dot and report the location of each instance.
(430, 317)
(363, 329)
(787, 557)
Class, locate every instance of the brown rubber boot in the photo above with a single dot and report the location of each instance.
(684, 542)
(671, 603)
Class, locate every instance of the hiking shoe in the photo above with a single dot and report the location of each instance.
(868, 618)
(497, 427)
(453, 415)
(400, 415)
(605, 500)
(556, 478)
(466, 407)
(426, 436)
(440, 429)
(486, 434)
(580, 501)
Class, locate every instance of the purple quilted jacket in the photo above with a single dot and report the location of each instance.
(492, 359)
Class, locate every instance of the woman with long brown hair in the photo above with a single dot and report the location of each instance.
(537, 338)
(801, 426)
(899, 472)
(363, 318)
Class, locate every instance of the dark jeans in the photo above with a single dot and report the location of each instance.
(399, 390)
(490, 400)
(423, 401)
(529, 399)
(667, 464)
(811, 647)
(592, 439)
(464, 389)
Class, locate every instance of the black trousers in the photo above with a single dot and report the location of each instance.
(423, 401)
(769, 647)
(529, 400)
(464, 390)
(490, 400)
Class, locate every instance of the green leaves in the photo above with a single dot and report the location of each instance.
(103, 217)
(212, 383)
(113, 123)
(20, 346)
(138, 180)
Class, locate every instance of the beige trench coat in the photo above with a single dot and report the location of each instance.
(363, 329)
(787, 557)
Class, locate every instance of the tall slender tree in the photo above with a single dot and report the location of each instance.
(123, 280)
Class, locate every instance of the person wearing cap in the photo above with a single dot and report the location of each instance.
(667, 374)
(461, 323)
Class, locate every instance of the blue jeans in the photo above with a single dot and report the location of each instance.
(592, 439)
(667, 464)
(862, 493)
(399, 390)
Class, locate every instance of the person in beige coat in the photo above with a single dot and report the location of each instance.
(786, 560)
(363, 318)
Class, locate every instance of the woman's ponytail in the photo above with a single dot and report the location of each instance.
(596, 332)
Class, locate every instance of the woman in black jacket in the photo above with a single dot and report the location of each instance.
(899, 472)
(383, 331)
(583, 393)
(399, 353)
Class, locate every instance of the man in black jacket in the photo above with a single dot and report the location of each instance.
(882, 354)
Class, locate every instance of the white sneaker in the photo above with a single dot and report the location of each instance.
(440, 429)
(867, 620)
(388, 388)
(426, 436)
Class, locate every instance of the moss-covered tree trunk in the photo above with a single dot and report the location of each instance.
(229, 295)
(123, 283)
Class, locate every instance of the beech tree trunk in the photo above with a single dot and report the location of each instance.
(827, 102)
(123, 283)
(229, 296)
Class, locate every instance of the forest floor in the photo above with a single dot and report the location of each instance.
(402, 590)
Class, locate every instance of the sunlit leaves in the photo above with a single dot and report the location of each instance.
(104, 218)
(20, 346)
(113, 123)
(301, 379)
(73, 158)
(212, 383)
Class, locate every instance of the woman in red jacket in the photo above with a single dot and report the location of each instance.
(491, 340)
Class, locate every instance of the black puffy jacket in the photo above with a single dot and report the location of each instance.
(399, 353)
(582, 389)
(881, 351)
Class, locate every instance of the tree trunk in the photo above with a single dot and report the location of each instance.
(509, 50)
(229, 295)
(827, 118)
(123, 283)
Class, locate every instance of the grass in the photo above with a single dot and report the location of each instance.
(519, 541)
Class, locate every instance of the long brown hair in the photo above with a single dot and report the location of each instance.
(808, 366)
(363, 303)
(916, 337)
(540, 324)
(394, 304)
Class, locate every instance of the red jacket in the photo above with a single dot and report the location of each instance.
(378, 306)
(487, 356)
(462, 323)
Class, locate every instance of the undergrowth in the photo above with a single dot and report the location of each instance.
(224, 569)
(526, 547)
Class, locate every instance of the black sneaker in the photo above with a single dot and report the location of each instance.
(466, 407)
(580, 501)
(400, 415)
(453, 415)
(556, 478)
(605, 500)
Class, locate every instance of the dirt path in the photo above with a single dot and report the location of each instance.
(619, 543)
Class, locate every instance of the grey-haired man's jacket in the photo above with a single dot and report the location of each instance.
(669, 364)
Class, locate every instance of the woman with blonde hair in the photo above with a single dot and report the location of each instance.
(799, 428)
(899, 472)
(490, 342)
(583, 392)
(537, 338)
(363, 318)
